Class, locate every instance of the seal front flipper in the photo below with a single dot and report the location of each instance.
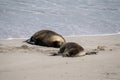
(56, 54)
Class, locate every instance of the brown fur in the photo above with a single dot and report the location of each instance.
(71, 49)
(47, 38)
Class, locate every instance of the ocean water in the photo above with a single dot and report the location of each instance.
(22, 18)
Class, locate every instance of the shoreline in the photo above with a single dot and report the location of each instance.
(73, 36)
(95, 35)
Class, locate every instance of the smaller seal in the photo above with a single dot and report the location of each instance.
(71, 49)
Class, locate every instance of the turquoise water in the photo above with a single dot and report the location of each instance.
(22, 18)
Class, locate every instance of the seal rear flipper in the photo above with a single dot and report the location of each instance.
(80, 54)
(29, 41)
(92, 53)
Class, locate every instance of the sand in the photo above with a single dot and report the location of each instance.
(22, 61)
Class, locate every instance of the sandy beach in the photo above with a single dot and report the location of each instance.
(23, 61)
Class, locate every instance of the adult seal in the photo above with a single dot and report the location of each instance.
(47, 38)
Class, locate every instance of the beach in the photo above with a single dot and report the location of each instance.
(22, 61)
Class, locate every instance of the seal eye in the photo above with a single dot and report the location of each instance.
(56, 44)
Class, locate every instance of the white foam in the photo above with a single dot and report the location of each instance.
(118, 32)
(14, 38)
(95, 35)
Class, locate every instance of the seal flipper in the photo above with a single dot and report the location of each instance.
(91, 53)
(30, 41)
(56, 54)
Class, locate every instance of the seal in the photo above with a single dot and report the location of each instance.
(71, 49)
(46, 38)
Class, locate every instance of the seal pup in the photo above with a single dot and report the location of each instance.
(72, 49)
(46, 38)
